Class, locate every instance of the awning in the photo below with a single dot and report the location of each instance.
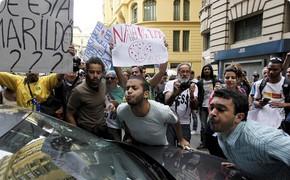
(279, 46)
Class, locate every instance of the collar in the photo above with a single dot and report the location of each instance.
(234, 135)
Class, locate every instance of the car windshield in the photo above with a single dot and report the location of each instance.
(41, 146)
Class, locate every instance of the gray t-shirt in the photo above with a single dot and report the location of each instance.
(88, 105)
(151, 129)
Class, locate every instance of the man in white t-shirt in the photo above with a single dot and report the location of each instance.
(145, 121)
(271, 100)
(181, 96)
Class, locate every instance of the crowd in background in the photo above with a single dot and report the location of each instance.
(105, 102)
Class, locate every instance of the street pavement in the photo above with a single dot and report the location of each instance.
(195, 141)
(195, 138)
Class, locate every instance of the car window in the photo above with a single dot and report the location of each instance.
(10, 118)
(20, 135)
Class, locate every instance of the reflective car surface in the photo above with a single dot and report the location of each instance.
(36, 146)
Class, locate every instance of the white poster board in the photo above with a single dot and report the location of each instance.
(98, 45)
(35, 35)
(137, 45)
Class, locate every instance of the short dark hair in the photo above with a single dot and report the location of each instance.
(139, 67)
(240, 101)
(95, 60)
(145, 84)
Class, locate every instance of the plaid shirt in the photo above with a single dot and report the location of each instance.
(261, 152)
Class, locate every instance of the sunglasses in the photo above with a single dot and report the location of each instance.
(276, 59)
(112, 78)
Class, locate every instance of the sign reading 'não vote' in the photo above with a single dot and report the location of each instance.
(137, 45)
(35, 35)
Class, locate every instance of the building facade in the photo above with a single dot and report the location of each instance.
(178, 19)
(248, 32)
(80, 40)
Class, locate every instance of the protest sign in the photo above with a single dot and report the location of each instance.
(136, 45)
(35, 35)
(98, 45)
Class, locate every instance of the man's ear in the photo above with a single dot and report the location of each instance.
(239, 117)
(146, 94)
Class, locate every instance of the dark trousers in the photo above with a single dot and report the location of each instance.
(203, 114)
(171, 133)
(285, 126)
(115, 134)
(100, 131)
(194, 120)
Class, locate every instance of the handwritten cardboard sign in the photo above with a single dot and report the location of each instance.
(137, 45)
(98, 45)
(35, 35)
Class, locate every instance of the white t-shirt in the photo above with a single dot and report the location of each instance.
(208, 89)
(274, 92)
(181, 105)
(151, 129)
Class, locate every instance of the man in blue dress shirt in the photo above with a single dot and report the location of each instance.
(261, 152)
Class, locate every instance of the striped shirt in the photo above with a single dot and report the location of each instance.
(259, 151)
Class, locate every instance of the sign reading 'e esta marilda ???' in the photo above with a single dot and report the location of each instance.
(35, 35)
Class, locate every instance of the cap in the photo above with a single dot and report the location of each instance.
(112, 73)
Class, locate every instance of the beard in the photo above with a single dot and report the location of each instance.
(135, 101)
(211, 124)
(94, 84)
(182, 80)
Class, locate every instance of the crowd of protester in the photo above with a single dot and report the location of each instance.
(160, 110)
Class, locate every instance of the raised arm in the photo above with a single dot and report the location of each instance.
(121, 78)
(286, 64)
(170, 95)
(158, 76)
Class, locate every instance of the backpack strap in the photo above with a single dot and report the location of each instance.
(286, 89)
(262, 86)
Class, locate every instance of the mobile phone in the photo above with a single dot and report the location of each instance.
(266, 100)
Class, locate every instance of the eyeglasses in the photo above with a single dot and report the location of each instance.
(276, 59)
(112, 78)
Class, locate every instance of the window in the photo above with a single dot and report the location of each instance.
(185, 45)
(186, 7)
(134, 14)
(176, 10)
(174, 65)
(287, 22)
(176, 38)
(248, 28)
(206, 41)
(149, 10)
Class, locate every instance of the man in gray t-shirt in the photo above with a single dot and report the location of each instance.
(146, 120)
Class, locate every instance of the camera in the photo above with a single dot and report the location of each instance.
(76, 63)
(185, 85)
